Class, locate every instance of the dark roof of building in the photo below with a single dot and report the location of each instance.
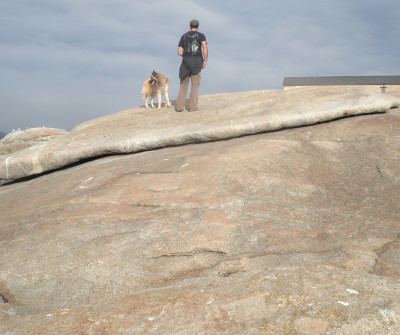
(341, 80)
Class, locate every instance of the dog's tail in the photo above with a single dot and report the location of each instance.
(145, 93)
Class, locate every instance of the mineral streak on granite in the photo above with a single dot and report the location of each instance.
(286, 232)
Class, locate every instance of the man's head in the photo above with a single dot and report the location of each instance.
(194, 24)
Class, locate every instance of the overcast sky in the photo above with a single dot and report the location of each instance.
(63, 62)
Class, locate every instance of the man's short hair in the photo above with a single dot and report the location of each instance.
(194, 23)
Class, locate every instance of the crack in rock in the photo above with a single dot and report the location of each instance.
(144, 205)
(3, 299)
(388, 260)
(387, 246)
(190, 253)
(379, 170)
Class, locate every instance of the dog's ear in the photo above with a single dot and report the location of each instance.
(154, 73)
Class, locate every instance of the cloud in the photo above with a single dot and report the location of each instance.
(69, 61)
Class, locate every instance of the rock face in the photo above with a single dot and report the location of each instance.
(287, 232)
(222, 116)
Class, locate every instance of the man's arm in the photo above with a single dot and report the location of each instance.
(180, 51)
(205, 53)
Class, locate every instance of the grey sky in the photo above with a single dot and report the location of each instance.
(68, 61)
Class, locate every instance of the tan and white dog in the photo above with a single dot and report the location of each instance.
(156, 85)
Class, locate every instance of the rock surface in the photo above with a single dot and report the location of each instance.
(287, 232)
(222, 116)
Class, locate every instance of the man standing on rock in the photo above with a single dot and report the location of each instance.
(193, 61)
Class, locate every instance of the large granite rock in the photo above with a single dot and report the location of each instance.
(288, 232)
(222, 116)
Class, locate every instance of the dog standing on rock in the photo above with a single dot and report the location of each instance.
(157, 84)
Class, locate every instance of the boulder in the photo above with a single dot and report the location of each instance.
(21, 139)
(287, 232)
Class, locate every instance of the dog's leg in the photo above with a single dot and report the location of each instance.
(159, 99)
(151, 103)
(145, 104)
(166, 97)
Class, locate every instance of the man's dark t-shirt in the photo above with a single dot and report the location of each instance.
(191, 43)
(192, 61)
